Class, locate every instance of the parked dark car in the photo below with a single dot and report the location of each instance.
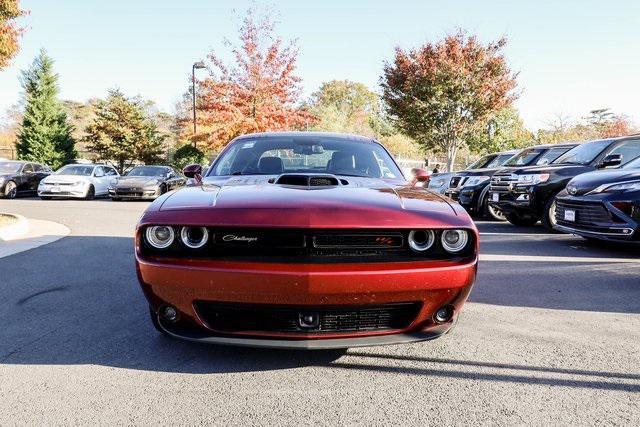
(439, 182)
(146, 182)
(18, 178)
(527, 195)
(471, 188)
(602, 205)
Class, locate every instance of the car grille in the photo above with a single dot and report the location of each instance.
(587, 214)
(501, 182)
(306, 246)
(246, 318)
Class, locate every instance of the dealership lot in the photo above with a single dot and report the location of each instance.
(550, 335)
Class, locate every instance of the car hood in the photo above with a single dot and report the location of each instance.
(587, 182)
(550, 169)
(65, 179)
(6, 175)
(137, 181)
(253, 201)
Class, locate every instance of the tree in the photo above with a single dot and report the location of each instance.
(186, 155)
(122, 133)
(257, 92)
(9, 31)
(45, 134)
(503, 131)
(442, 93)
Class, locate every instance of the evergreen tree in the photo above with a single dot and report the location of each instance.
(45, 134)
(122, 133)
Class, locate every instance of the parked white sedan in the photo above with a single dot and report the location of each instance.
(78, 181)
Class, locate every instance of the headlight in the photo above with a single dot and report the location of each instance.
(160, 236)
(194, 237)
(476, 180)
(421, 240)
(614, 188)
(453, 241)
(79, 183)
(532, 179)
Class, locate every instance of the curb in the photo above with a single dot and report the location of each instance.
(15, 230)
(39, 233)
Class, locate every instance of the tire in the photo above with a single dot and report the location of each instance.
(91, 193)
(163, 189)
(155, 323)
(521, 220)
(549, 215)
(490, 212)
(10, 190)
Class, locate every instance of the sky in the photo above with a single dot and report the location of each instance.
(572, 56)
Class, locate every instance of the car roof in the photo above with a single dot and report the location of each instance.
(559, 145)
(304, 134)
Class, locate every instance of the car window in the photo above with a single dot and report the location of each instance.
(523, 158)
(109, 171)
(628, 149)
(634, 164)
(148, 171)
(498, 161)
(550, 155)
(28, 168)
(309, 154)
(79, 170)
(37, 167)
(583, 154)
(481, 162)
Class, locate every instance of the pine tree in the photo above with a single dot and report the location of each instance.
(122, 133)
(45, 134)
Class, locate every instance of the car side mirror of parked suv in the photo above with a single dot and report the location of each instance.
(194, 172)
(610, 160)
(420, 176)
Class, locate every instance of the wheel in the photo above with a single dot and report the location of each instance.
(163, 189)
(91, 193)
(521, 220)
(490, 212)
(549, 215)
(10, 190)
(45, 198)
(156, 324)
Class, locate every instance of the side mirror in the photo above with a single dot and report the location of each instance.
(193, 171)
(420, 177)
(610, 160)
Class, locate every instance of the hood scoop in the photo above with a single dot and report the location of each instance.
(308, 180)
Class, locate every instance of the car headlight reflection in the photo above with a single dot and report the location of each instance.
(160, 236)
(453, 241)
(194, 237)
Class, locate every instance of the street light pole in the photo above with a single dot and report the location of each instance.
(198, 65)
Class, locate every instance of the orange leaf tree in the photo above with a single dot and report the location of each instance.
(9, 30)
(257, 92)
(442, 94)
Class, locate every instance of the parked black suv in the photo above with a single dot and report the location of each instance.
(602, 205)
(527, 195)
(471, 187)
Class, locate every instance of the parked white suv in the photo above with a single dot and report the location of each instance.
(78, 181)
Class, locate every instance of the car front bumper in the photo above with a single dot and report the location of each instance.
(182, 283)
(71, 192)
(140, 193)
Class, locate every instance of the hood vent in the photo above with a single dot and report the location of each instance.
(310, 180)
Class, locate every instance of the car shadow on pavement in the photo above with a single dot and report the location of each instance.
(77, 301)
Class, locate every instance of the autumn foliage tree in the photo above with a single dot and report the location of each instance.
(9, 31)
(258, 91)
(442, 94)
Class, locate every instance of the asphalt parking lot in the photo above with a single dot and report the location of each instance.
(551, 335)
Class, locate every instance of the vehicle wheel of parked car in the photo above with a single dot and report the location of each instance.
(154, 321)
(549, 215)
(10, 190)
(521, 220)
(91, 193)
(163, 189)
(490, 212)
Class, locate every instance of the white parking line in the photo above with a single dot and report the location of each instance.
(536, 258)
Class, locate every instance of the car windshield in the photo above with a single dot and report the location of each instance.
(633, 164)
(10, 167)
(76, 170)
(481, 161)
(148, 171)
(498, 161)
(275, 155)
(523, 158)
(583, 154)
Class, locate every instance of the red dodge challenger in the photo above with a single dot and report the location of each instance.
(305, 240)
